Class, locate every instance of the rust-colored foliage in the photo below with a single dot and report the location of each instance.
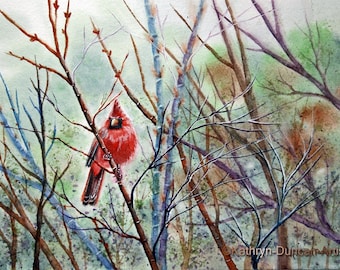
(224, 81)
(315, 119)
(322, 116)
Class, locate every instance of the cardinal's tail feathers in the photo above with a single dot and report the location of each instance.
(92, 188)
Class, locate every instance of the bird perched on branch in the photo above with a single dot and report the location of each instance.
(120, 139)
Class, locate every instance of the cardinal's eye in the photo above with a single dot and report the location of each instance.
(116, 122)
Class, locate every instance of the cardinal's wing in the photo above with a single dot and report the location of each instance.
(92, 153)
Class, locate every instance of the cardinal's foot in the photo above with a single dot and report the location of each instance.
(107, 156)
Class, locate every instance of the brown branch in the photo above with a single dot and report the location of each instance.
(67, 15)
(135, 17)
(53, 16)
(117, 74)
(68, 250)
(146, 92)
(23, 219)
(39, 66)
(25, 222)
(214, 229)
(104, 243)
(32, 37)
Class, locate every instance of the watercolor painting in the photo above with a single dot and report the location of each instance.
(152, 134)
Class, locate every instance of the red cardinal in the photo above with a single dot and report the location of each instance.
(120, 140)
